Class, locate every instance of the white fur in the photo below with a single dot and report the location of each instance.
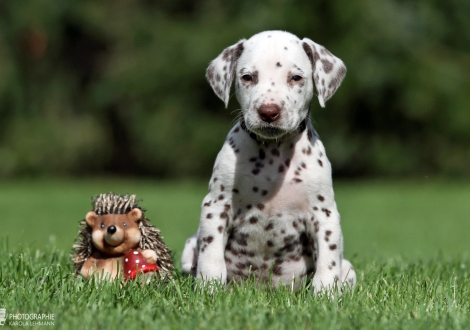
(270, 210)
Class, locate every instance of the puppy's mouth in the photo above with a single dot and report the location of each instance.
(269, 131)
(272, 132)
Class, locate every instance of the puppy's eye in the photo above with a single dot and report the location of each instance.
(247, 77)
(102, 225)
(124, 224)
(296, 78)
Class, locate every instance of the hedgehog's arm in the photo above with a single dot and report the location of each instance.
(150, 255)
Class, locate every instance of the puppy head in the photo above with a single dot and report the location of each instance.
(275, 73)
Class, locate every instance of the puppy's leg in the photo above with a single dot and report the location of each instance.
(212, 240)
(189, 256)
(348, 274)
(329, 244)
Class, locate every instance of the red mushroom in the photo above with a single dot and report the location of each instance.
(134, 263)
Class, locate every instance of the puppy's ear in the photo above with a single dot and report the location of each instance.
(328, 71)
(90, 218)
(221, 71)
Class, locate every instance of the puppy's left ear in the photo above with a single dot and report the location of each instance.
(328, 70)
(221, 71)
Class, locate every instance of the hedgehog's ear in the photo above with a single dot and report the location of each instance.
(135, 214)
(91, 218)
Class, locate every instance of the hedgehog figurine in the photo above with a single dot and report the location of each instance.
(116, 237)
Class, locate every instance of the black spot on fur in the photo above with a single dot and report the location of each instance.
(262, 154)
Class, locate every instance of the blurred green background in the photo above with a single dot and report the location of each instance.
(110, 95)
(118, 86)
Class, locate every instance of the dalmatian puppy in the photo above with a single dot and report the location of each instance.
(270, 212)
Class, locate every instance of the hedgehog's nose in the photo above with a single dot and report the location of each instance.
(111, 229)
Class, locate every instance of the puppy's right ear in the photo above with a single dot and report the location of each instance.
(221, 71)
(90, 218)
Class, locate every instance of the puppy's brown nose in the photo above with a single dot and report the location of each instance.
(269, 112)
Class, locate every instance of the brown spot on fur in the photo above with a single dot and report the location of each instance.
(320, 163)
(321, 198)
(269, 226)
(220, 229)
(224, 215)
(327, 66)
(333, 247)
(260, 206)
(221, 197)
(327, 212)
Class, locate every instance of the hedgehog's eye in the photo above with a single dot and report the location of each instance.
(124, 224)
(296, 78)
(102, 225)
(247, 77)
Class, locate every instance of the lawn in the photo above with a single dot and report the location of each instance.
(408, 240)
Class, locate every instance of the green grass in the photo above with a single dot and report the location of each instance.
(407, 240)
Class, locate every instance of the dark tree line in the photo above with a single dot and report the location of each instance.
(118, 86)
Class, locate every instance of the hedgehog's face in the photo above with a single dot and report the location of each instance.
(115, 234)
